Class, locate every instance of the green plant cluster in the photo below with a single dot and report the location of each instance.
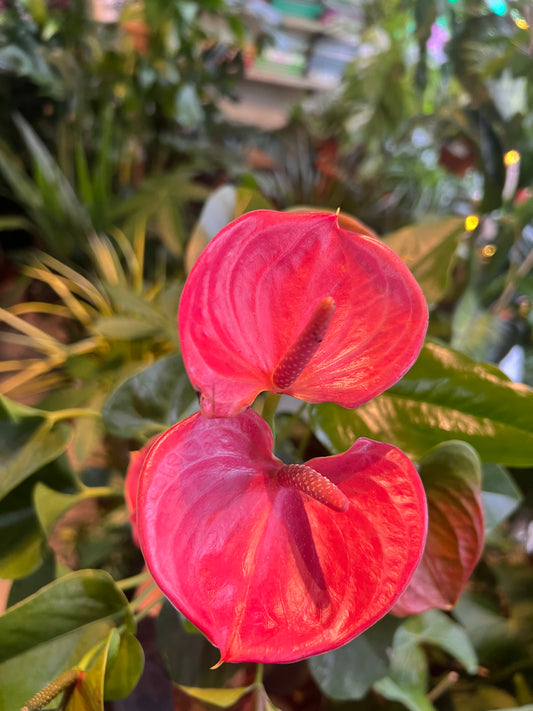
(109, 165)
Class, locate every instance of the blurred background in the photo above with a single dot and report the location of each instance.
(132, 131)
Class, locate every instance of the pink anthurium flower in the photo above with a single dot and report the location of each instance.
(276, 562)
(291, 303)
(131, 484)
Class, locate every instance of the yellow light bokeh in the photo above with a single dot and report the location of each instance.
(471, 222)
(489, 250)
(521, 23)
(511, 158)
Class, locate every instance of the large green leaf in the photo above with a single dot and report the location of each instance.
(427, 249)
(151, 400)
(29, 439)
(349, 672)
(444, 396)
(53, 629)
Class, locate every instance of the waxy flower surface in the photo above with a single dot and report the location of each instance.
(276, 562)
(291, 303)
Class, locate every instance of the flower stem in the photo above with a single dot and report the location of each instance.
(71, 412)
(134, 604)
(259, 670)
(269, 410)
(132, 582)
(144, 613)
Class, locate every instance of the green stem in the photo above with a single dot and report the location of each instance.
(259, 671)
(147, 591)
(102, 491)
(269, 410)
(72, 412)
(144, 613)
(133, 582)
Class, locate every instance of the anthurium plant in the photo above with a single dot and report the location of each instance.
(306, 481)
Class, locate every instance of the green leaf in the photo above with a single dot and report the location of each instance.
(29, 439)
(222, 698)
(495, 638)
(124, 665)
(50, 505)
(412, 697)
(151, 400)
(50, 631)
(451, 474)
(500, 496)
(21, 536)
(349, 672)
(407, 678)
(435, 627)
(444, 396)
(427, 249)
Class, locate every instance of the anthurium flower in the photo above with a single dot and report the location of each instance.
(276, 562)
(131, 484)
(292, 303)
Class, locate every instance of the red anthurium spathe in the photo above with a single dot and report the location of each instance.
(131, 484)
(276, 562)
(292, 303)
(451, 474)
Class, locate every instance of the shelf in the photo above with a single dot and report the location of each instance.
(288, 80)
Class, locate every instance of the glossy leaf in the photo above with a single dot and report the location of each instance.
(211, 501)
(427, 249)
(124, 666)
(445, 396)
(451, 474)
(29, 439)
(50, 631)
(150, 401)
(349, 672)
(256, 288)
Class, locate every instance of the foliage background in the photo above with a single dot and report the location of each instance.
(112, 159)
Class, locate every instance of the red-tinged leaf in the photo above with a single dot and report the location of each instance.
(254, 294)
(452, 479)
(269, 571)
